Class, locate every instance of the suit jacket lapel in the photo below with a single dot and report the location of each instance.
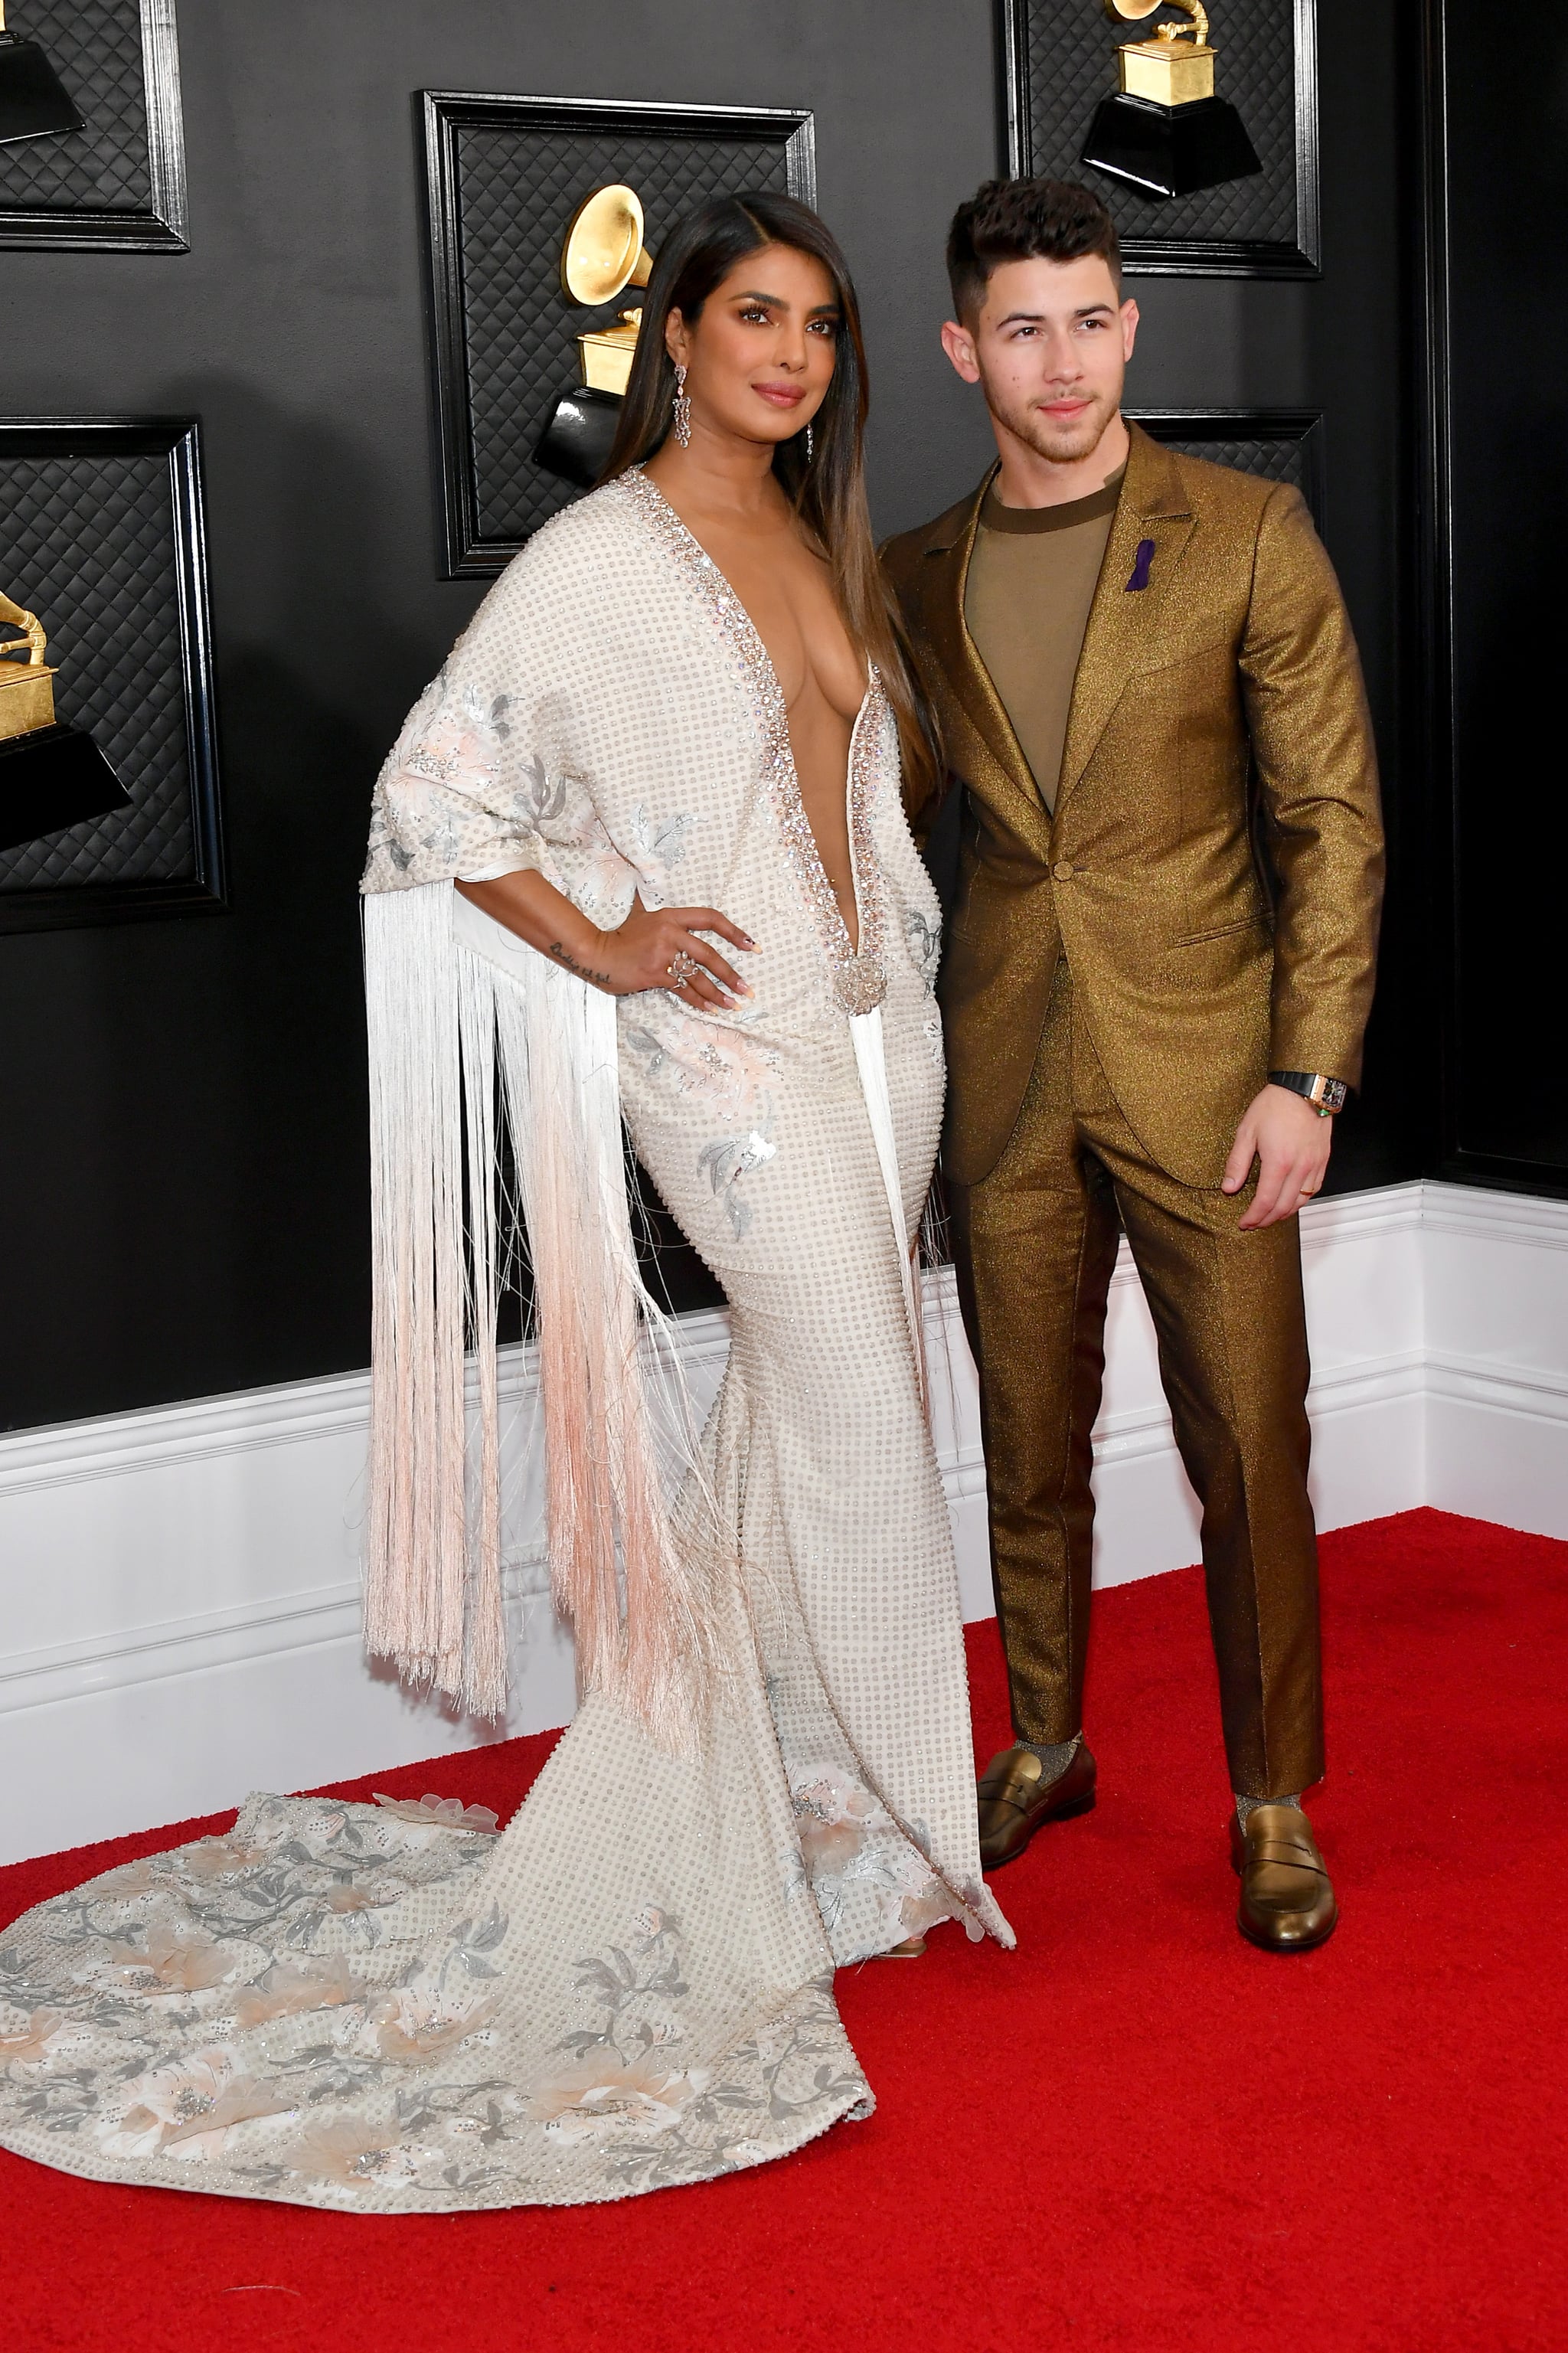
(1125, 623)
(959, 658)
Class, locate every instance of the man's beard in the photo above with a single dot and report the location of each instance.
(1060, 444)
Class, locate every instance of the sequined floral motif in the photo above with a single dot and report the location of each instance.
(924, 939)
(445, 760)
(714, 1063)
(625, 2086)
(458, 794)
(923, 936)
(623, 2075)
(872, 1885)
(726, 1161)
(212, 2001)
(657, 845)
(450, 1812)
(204, 2027)
(186, 2111)
(859, 974)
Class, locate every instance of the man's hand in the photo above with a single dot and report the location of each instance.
(1290, 1143)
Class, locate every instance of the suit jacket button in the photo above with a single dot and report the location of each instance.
(1063, 870)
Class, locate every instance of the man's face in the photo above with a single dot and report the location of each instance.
(1050, 348)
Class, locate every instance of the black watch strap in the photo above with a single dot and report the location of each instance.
(1326, 1095)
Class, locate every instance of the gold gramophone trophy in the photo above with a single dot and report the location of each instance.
(1165, 133)
(51, 774)
(27, 696)
(602, 254)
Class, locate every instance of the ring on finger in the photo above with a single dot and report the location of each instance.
(683, 968)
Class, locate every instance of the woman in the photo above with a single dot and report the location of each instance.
(661, 769)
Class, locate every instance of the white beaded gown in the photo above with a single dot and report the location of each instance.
(379, 2010)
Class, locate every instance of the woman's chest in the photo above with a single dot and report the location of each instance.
(787, 594)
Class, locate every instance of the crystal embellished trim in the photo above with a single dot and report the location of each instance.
(860, 979)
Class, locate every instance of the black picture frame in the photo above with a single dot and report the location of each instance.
(1432, 685)
(1284, 445)
(1148, 253)
(179, 758)
(148, 140)
(1469, 727)
(471, 546)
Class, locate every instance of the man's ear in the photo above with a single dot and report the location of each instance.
(958, 344)
(1129, 327)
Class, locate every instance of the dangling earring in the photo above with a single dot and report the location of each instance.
(681, 410)
(810, 446)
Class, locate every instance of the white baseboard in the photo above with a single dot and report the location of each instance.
(180, 1588)
(1496, 1356)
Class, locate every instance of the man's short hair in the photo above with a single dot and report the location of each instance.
(1025, 220)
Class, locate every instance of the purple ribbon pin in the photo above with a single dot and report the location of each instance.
(1141, 562)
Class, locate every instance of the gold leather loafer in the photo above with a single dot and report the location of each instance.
(1286, 1901)
(1015, 1803)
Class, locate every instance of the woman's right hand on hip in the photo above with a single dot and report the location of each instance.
(659, 948)
(654, 948)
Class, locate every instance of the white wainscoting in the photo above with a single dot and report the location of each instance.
(179, 1587)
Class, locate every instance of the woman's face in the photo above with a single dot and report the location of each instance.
(760, 356)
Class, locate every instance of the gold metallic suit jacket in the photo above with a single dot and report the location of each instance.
(1213, 870)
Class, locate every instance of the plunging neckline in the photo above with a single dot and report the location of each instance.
(858, 972)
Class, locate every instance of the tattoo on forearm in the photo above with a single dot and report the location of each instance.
(563, 954)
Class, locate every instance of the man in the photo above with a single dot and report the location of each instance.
(1158, 972)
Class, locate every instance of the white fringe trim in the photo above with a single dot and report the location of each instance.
(454, 1000)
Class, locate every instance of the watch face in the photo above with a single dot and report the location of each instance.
(1331, 1094)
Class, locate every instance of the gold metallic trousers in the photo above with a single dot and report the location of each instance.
(1035, 1244)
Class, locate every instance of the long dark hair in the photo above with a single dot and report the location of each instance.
(827, 486)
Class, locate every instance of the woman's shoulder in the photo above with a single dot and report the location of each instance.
(603, 524)
(574, 569)
(593, 545)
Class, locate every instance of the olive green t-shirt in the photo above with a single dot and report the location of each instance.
(1032, 577)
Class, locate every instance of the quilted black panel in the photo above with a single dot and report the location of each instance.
(95, 47)
(88, 543)
(1277, 461)
(1280, 445)
(1070, 47)
(518, 188)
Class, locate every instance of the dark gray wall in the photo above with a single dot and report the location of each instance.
(182, 1171)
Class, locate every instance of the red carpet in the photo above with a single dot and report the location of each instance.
(1133, 2133)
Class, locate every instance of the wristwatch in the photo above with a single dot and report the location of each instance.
(1326, 1095)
